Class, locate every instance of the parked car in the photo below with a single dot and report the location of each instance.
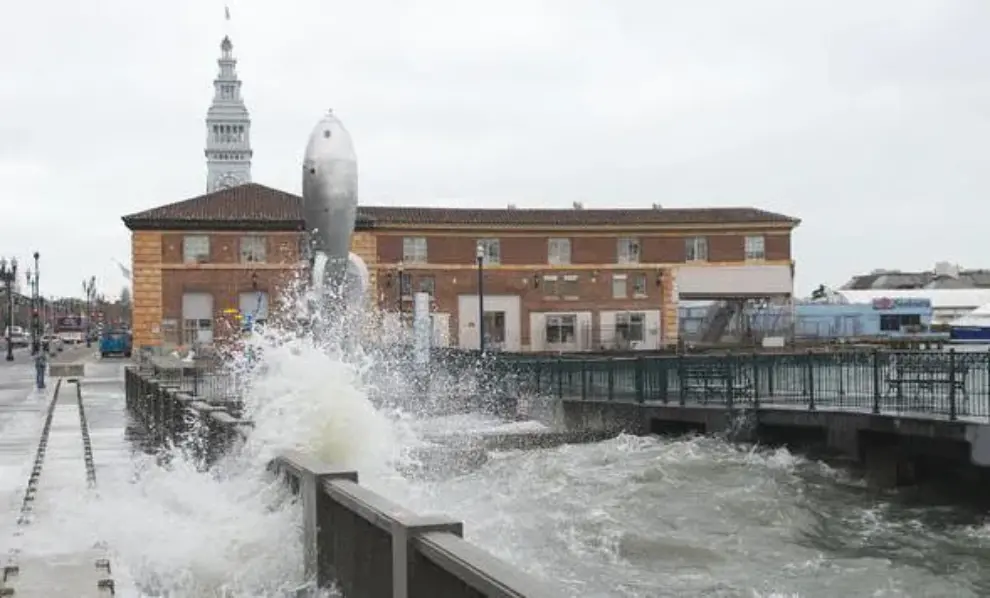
(53, 343)
(18, 337)
(115, 342)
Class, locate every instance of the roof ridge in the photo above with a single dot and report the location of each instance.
(257, 203)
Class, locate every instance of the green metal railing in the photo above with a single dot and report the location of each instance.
(932, 383)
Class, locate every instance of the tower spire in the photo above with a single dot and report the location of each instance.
(228, 125)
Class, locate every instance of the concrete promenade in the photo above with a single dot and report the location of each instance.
(51, 443)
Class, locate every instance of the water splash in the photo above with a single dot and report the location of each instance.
(232, 531)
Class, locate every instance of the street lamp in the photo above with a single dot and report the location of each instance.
(400, 269)
(89, 287)
(8, 274)
(36, 304)
(481, 297)
(30, 282)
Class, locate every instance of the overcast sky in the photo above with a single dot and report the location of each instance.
(868, 120)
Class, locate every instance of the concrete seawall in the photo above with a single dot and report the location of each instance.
(367, 545)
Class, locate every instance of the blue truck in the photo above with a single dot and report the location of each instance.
(115, 342)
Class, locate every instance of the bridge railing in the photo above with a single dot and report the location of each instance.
(947, 384)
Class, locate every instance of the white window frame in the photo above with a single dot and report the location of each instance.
(639, 276)
(755, 248)
(192, 254)
(492, 255)
(560, 322)
(631, 320)
(558, 251)
(628, 250)
(415, 250)
(696, 249)
(253, 249)
(620, 279)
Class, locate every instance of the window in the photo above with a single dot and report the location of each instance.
(550, 286)
(195, 248)
(755, 246)
(427, 284)
(569, 286)
(639, 285)
(628, 250)
(405, 284)
(494, 327)
(253, 249)
(414, 250)
(492, 255)
(619, 290)
(559, 252)
(696, 249)
(898, 322)
(630, 327)
(197, 318)
(253, 306)
(195, 332)
(562, 329)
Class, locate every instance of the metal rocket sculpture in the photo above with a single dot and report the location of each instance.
(330, 196)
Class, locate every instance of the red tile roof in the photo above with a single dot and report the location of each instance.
(253, 205)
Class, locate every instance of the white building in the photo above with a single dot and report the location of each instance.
(947, 304)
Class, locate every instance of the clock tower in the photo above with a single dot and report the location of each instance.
(228, 128)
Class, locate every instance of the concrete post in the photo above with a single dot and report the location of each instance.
(403, 532)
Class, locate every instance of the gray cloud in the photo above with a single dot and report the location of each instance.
(866, 120)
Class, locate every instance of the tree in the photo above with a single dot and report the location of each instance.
(125, 296)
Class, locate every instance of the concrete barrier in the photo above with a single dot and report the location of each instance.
(371, 547)
(66, 370)
(365, 544)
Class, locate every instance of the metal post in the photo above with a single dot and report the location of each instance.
(481, 297)
(89, 286)
(8, 274)
(36, 304)
(398, 294)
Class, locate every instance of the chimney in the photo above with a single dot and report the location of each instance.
(512, 206)
(657, 206)
(578, 205)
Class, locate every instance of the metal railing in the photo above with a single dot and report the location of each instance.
(931, 383)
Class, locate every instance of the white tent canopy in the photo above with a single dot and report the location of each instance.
(978, 318)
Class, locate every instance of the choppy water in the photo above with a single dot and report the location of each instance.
(652, 517)
(643, 517)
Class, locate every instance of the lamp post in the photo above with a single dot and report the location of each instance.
(402, 279)
(8, 274)
(34, 336)
(89, 287)
(481, 297)
(36, 304)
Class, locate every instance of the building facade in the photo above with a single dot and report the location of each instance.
(553, 280)
(228, 127)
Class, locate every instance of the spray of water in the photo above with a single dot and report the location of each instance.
(308, 384)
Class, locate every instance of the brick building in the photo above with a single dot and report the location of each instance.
(553, 279)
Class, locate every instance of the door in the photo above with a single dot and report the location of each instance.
(254, 307)
(197, 318)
